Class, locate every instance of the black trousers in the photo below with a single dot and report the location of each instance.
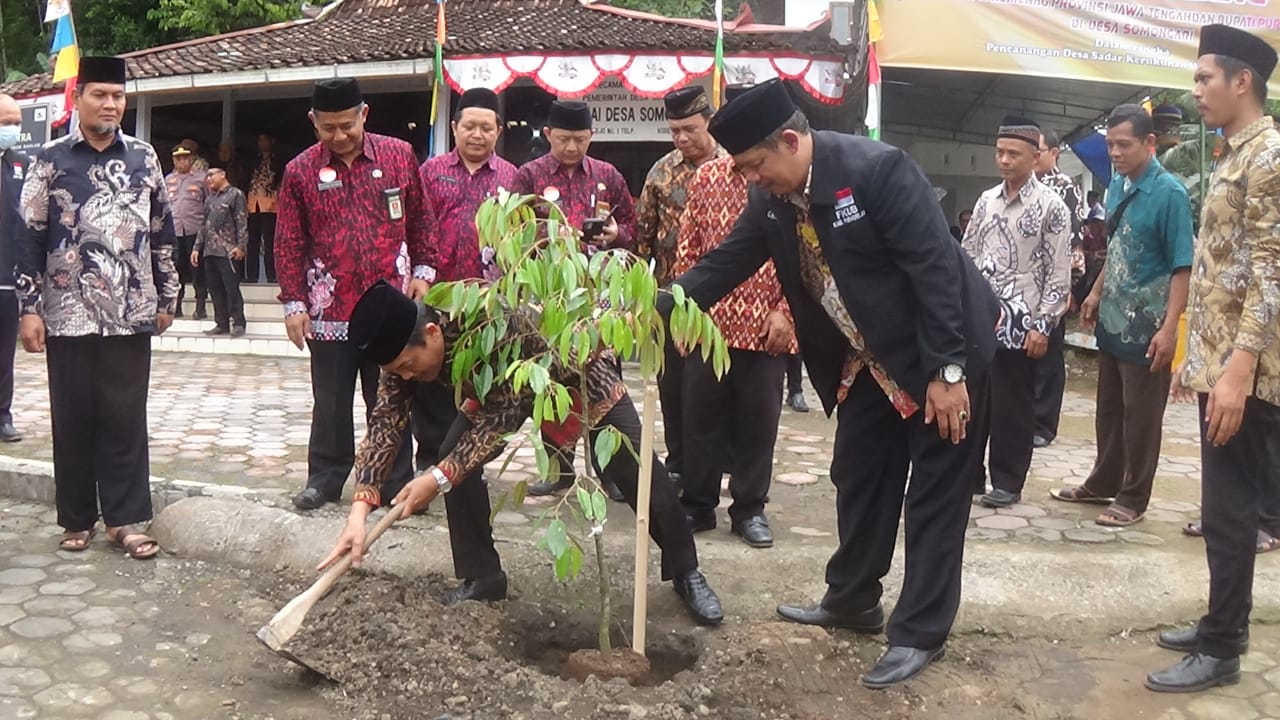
(261, 243)
(1235, 480)
(224, 289)
(874, 449)
(735, 417)
(8, 346)
(98, 402)
(1051, 383)
(471, 536)
(1003, 420)
(188, 273)
(671, 397)
(332, 450)
(794, 383)
(434, 411)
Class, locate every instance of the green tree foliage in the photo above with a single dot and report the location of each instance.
(576, 307)
(198, 18)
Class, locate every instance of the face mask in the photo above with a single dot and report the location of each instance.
(9, 135)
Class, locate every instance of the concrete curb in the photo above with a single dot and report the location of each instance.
(32, 480)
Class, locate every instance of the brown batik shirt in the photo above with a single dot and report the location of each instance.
(491, 422)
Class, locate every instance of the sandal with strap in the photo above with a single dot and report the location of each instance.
(77, 541)
(135, 542)
(1118, 516)
(1193, 529)
(1078, 494)
(1267, 543)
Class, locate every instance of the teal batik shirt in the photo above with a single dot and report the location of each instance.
(1153, 241)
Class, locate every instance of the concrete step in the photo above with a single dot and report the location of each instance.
(259, 328)
(263, 345)
(261, 311)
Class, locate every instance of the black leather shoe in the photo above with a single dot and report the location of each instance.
(797, 403)
(614, 492)
(217, 330)
(702, 522)
(754, 531)
(677, 481)
(998, 498)
(309, 499)
(485, 589)
(539, 489)
(1194, 673)
(899, 664)
(9, 433)
(1186, 641)
(1040, 441)
(237, 330)
(200, 313)
(698, 596)
(867, 622)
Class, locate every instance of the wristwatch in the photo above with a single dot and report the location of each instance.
(951, 374)
(442, 480)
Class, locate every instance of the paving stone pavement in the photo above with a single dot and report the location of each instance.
(244, 421)
(97, 635)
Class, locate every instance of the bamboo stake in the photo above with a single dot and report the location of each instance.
(640, 600)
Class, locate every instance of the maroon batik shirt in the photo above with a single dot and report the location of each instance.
(453, 195)
(593, 181)
(338, 232)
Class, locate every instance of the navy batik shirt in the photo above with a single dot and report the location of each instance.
(95, 251)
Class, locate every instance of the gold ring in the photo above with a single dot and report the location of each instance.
(964, 416)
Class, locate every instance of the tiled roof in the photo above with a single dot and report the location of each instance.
(356, 31)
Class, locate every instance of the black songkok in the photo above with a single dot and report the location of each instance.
(1238, 44)
(686, 102)
(382, 322)
(336, 95)
(101, 70)
(1020, 128)
(752, 116)
(483, 98)
(569, 115)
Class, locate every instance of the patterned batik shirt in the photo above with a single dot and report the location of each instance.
(1153, 240)
(717, 193)
(226, 223)
(821, 286)
(453, 194)
(593, 184)
(95, 254)
(1023, 248)
(492, 422)
(662, 203)
(1066, 188)
(187, 194)
(340, 230)
(1235, 277)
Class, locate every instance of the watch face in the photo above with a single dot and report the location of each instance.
(952, 373)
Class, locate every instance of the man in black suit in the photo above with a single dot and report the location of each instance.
(13, 167)
(896, 328)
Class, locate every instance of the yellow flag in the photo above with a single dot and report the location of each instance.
(875, 31)
(67, 65)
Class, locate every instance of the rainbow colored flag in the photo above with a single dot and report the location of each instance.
(66, 66)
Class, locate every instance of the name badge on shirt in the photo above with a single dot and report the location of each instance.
(395, 204)
(328, 179)
(847, 210)
(447, 178)
(17, 172)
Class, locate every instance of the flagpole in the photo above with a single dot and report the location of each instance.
(717, 73)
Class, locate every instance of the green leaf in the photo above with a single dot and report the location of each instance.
(584, 501)
(518, 493)
(677, 291)
(599, 507)
(556, 538)
(484, 382)
(564, 402)
(564, 567)
(538, 378)
(498, 507)
(575, 561)
(487, 338)
(605, 445)
(542, 459)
